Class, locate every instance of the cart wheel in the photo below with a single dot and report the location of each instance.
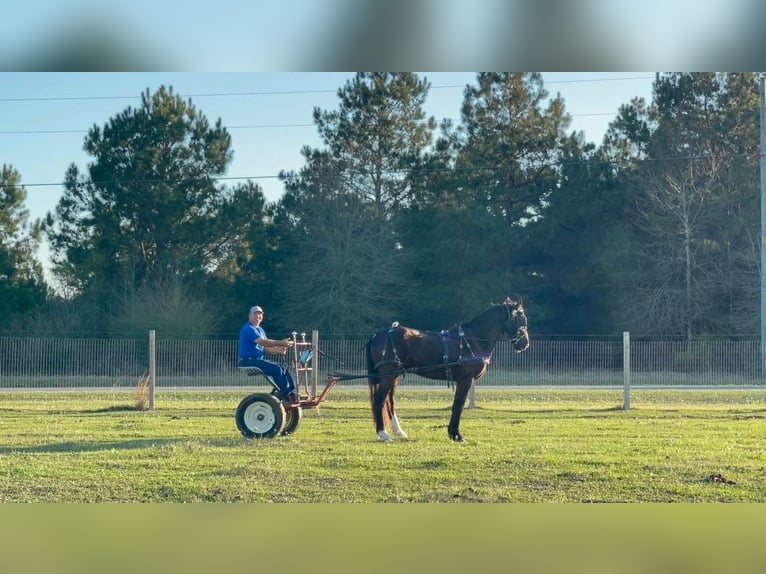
(260, 416)
(293, 418)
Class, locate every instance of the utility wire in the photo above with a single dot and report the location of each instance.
(488, 169)
(284, 92)
(302, 125)
(246, 127)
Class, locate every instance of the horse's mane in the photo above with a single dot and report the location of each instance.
(481, 317)
(409, 332)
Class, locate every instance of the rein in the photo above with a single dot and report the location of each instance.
(401, 371)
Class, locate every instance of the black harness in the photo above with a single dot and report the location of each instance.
(395, 357)
(470, 357)
(463, 359)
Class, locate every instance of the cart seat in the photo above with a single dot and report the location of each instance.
(256, 372)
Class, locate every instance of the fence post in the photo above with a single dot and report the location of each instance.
(626, 370)
(472, 396)
(152, 367)
(315, 358)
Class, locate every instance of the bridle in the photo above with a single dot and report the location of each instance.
(519, 320)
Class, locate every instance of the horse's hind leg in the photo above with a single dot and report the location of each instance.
(378, 397)
(395, 425)
(461, 392)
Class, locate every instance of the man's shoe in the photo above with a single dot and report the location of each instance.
(290, 399)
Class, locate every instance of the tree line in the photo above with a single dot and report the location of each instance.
(398, 216)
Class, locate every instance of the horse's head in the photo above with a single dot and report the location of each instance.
(516, 325)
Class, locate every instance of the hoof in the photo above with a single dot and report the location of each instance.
(383, 436)
(457, 437)
(402, 435)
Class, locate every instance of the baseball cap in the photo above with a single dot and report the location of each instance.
(256, 309)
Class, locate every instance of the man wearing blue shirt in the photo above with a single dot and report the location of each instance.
(253, 343)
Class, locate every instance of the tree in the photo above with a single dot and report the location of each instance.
(338, 274)
(346, 259)
(149, 212)
(481, 190)
(737, 208)
(671, 251)
(510, 141)
(570, 243)
(377, 135)
(694, 257)
(22, 287)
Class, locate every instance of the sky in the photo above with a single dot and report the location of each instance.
(299, 35)
(44, 117)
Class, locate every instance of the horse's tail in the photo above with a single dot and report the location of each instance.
(373, 379)
(370, 361)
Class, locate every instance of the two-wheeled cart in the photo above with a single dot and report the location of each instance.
(265, 415)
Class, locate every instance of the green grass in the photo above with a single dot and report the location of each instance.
(536, 445)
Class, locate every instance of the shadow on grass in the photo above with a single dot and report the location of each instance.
(112, 409)
(532, 410)
(90, 447)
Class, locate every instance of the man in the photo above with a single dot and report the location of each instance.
(253, 343)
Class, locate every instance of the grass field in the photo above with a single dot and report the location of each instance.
(537, 445)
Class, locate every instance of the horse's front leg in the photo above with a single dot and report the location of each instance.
(461, 392)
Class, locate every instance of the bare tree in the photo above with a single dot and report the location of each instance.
(672, 268)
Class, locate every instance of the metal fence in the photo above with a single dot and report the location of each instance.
(65, 363)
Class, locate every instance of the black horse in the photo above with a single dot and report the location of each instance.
(460, 354)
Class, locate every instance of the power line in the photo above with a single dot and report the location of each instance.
(262, 126)
(262, 93)
(265, 126)
(245, 127)
(222, 94)
(394, 172)
(283, 92)
(584, 80)
(50, 132)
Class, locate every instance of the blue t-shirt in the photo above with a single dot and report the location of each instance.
(248, 335)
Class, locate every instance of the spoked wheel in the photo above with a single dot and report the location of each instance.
(260, 416)
(293, 418)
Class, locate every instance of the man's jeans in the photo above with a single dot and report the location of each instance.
(279, 373)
